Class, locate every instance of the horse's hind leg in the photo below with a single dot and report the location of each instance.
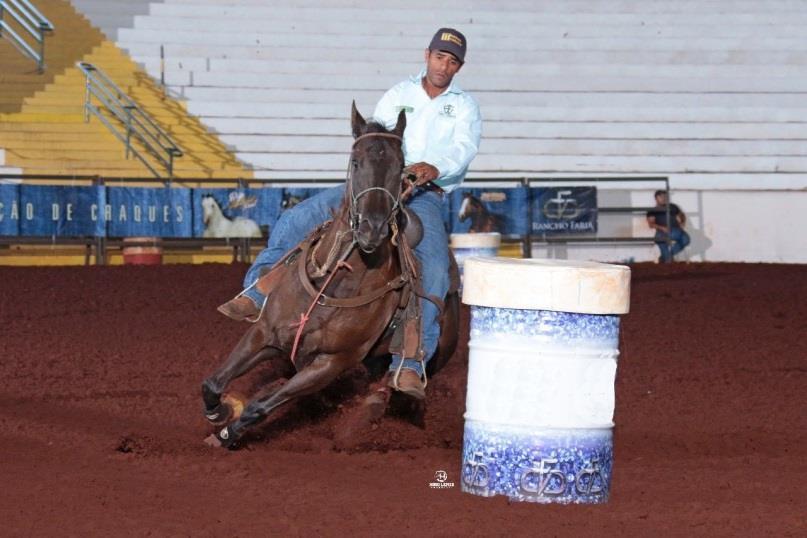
(310, 379)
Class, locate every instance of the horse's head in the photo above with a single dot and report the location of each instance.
(374, 179)
(209, 208)
(470, 205)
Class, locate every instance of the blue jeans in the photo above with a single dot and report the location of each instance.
(680, 240)
(295, 224)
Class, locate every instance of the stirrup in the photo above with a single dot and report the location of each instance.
(424, 378)
(263, 305)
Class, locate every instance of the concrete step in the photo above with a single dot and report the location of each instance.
(114, 151)
(517, 163)
(293, 28)
(350, 41)
(542, 6)
(111, 172)
(438, 15)
(501, 83)
(504, 112)
(725, 181)
(581, 98)
(235, 68)
(145, 51)
(528, 146)
(542, 130)
(89, 142)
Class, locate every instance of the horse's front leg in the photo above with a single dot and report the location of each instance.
(250, 351)
(314, 377)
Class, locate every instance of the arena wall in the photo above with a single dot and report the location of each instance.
(725, 225)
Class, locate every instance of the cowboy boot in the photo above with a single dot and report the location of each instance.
(409, 383)
(240, 308)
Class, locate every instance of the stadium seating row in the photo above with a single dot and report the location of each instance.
(694, 90)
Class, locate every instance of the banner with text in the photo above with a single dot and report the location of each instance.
(46, 210)
(161, 212)
(9, 209)
(564, 210)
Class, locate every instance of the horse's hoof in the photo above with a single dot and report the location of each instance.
(375, 405)
(230, 408)
(224, 438)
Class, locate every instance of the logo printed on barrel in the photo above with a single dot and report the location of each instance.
(548, 480)
(441, 477)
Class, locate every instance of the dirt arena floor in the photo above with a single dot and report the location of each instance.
(102, 427)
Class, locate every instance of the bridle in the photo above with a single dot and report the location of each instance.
(353, 211)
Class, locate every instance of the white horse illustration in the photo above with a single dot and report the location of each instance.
(217, 225)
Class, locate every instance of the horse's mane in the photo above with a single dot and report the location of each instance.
(374, 126)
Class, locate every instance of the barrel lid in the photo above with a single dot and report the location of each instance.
(537, 284)
(476, 240)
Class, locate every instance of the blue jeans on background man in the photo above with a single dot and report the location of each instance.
(680, 240)
(295, 224)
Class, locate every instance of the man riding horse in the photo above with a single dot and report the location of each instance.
(443, 128)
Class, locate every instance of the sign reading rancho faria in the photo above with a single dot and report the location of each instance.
(564, 210)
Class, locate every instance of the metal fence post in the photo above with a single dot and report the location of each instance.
(41, 63)
(128, 129)
(526, 246)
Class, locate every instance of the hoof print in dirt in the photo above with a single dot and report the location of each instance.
(129, 445)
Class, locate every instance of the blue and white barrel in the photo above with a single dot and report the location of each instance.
(542, 365)
(466, 246)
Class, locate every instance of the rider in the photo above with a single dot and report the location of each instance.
(443, 128)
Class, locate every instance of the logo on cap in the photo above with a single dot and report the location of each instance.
(451, 38)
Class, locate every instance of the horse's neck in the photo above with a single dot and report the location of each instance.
(217, 215)
(479, 218)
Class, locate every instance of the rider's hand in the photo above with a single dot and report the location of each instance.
(423, 172)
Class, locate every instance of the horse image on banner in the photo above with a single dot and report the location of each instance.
(218, 225)
(490, 209)
(482, 221)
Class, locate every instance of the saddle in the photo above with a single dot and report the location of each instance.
(405, 327)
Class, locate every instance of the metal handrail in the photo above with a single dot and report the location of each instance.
(35, 24)
(136, 122)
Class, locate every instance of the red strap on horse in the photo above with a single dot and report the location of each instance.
(305, 317)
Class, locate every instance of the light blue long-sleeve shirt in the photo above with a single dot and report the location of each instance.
(444, 131)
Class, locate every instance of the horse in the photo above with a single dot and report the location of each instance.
(482, 221)
(217, 225)
(333, 298)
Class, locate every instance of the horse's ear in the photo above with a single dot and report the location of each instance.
(357, 123)
(401, 124)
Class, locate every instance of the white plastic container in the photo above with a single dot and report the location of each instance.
(542, 365)
(477, 244)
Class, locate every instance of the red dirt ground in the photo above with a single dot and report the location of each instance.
(102, 427)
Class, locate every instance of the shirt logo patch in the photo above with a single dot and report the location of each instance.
(448, 110)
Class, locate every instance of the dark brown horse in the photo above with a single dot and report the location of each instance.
(357, 266)
(482, 221)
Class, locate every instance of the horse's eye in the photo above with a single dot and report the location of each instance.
(355, 164)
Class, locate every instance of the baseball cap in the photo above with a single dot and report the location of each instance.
(449, 40)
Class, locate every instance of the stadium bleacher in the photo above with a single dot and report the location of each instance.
(42, 123)
(694, 90)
